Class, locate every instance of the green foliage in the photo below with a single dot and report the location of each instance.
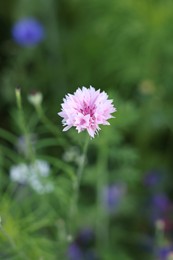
(125, 48)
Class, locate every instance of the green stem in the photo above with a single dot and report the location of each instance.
(159, 235)
(23, 126)
(82, 162)
(76, 185)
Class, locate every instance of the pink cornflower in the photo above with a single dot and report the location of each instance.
(86, 109)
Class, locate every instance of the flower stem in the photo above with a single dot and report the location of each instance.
(22, 125)
(76, 184)
(159, 236)
(82, 162)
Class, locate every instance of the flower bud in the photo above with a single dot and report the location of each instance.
(35, 98)
(18, 96)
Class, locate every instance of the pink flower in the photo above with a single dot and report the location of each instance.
(86, 109)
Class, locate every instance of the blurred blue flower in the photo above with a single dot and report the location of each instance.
(74, 252)
(112, 196)
(86, 237)
(83, 246)
(160, 202)
(28, 32)
(164, 253)
(153, 178)
(159, 207)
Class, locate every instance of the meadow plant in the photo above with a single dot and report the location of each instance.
(118, 184)
(86, 109)
(60, 181)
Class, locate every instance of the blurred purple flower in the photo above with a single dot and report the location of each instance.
(160, 202)
(83, 246)
(165, 252)
(153, 178)
(77, 253)
(74, 252)
(112, 196)
(28, 32)
(159, 206)
(86, 237)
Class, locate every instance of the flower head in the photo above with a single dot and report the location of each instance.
(86, 109)
(82, 248)
(165, 253)
(27, 32)
(160, 202)
(74, 252)
(159, 206)
(35, 175)
(35, 98)
(19, 173)
(85, 238)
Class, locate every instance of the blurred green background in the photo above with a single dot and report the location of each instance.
(126, 49)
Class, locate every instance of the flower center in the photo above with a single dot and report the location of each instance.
(82, 121)
(87, 110)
